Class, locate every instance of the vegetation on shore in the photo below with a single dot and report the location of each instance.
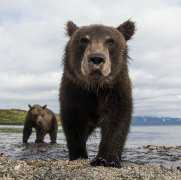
(13, 116)
(11, 130)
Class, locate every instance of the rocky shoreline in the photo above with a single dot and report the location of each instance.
(81, 170)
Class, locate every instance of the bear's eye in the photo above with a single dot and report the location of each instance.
(110, 42)
(84, 41)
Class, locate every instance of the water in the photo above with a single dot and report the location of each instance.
(136, 149)
(155, 135)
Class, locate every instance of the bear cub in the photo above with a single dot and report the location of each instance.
(96, 90)
(43, 120)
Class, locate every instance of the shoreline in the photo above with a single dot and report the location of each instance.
(81, 169)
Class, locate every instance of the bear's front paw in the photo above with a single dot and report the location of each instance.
(99, 161)
(53, 142)
(39, 141)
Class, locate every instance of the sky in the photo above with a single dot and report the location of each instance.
(32, 40)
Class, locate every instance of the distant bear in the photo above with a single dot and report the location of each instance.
(43, 120)
(96, 90)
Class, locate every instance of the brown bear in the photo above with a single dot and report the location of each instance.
(43, 120)
(96, 90)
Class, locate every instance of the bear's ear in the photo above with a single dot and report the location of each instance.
(71, 28)
(44, 107)
(127, 29)
(29, 106)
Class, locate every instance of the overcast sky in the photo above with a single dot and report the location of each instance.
(32, 39)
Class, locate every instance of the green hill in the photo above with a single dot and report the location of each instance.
(14, 116)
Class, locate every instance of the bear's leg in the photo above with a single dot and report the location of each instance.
(114, 133)
(76, 131)
(26, 133)
(39, 136)
(53, 136)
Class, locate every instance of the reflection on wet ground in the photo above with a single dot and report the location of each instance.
(11, 145)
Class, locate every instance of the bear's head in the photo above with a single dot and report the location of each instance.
(38, 116)
(97, 54)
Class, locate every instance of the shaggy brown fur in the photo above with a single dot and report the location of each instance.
(96, 90)
(43, 120)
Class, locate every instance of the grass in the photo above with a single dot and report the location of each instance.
(11, 130)
(17, 130)
(14, 117)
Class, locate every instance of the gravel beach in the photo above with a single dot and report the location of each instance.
(64, 169)
(46, 161)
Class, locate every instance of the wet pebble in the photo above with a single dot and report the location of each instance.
(81, 169)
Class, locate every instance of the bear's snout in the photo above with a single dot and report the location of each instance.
(39, 122)
(96, 64)
(96, 59)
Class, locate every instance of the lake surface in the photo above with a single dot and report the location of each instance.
(136, 149)
(156, 135)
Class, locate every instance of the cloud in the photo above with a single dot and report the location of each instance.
(33, 39)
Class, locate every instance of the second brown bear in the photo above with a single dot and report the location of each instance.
(43, 120)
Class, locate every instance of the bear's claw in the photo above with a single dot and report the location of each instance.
(99, 161)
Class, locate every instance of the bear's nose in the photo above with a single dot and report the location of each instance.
(39, 122)
(96, 59)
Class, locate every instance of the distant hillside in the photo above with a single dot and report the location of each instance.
(17, 116)
(149, 120)
(14, 116)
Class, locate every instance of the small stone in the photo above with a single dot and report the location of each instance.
(17, 167)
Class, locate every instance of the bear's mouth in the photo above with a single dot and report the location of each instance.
(96, 74)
